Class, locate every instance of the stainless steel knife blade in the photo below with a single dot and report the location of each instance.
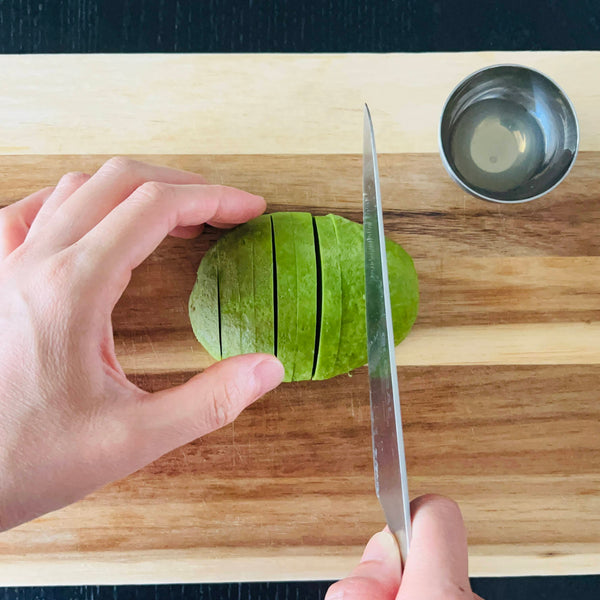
(388, 444)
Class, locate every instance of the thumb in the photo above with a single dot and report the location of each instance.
(377, 575)
(437, 562)
(209, 401)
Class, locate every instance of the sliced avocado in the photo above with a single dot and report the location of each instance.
(264, 308)
(404, 289)
(204, 305)
(331, 298)
(404, 293)
(245, 277)
(232, 252)
(306, 296)
(352, 350)
(264, 278)
(287, 315)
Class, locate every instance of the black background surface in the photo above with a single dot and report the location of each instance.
(297, 26)
(50, 26)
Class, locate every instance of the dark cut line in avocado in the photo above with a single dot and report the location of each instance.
(219, 311)
(331, 305)
(275, 306)
(286, 235)
(319, 296)
(336, 362)
(306, 294)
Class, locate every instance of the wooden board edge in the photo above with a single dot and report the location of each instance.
(314, 564)
(300, 96)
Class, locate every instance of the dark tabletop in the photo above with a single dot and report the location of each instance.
(297, 26)
(43, 26)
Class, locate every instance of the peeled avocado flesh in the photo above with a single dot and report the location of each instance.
(404, 293)
(353, 331)
(331, 298)
(287, 315)
(296, 293)
(262, 265)
(232, 253)
(306, 297)
(204, 304)
(246, 269)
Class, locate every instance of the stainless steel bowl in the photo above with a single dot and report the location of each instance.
(508, 134)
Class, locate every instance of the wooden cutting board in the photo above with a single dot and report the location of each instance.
(499, 379)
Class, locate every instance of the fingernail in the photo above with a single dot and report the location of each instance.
(269, 373)
(382, 547)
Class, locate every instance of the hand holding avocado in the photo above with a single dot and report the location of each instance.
(71, 421)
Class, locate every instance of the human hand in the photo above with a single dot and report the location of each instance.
(71, 421)
(436, 567)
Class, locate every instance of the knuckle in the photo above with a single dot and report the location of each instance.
(118, 164)
(219, 192)
(65, 274)
(225, 405)
(55, 289)
(73, 179)
(153, 191)
(59, 269)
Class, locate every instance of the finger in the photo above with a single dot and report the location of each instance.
(377, 575)
(437, 563)
(195, 231)
(168, 419)
(16, 220)
(218, 225)
(135, 228)
(187, 233)
(108, 187)
(67, 185)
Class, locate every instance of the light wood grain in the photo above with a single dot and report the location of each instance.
(499, 381)
(499, 284)
(253, 104)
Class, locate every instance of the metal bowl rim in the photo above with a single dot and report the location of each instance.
(455, 175)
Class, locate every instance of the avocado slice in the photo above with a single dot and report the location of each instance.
(404, 293)
(404, 289)
(296, 277)
(204, 304)
(284, 236)
(306, 294)
(262, 266)
(352, 348)
(245, 277)
(229, 294)
(331, 298)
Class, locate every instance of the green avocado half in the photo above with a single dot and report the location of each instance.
(293, 285)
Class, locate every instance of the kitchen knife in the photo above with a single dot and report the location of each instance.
(388, 444)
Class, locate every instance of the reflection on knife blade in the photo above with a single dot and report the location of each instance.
(388, 443)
